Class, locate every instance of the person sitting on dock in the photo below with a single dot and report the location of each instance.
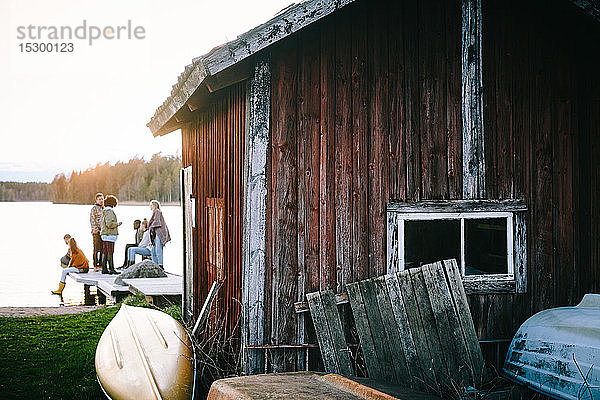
(139, 234)
(66, 259)
(144, 248)
(78, 263)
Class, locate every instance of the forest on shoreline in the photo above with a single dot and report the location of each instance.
(137, 180)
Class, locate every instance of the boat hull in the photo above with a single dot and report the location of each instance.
(557, 351)
(145, 354)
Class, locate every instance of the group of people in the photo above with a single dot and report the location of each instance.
(150, 238)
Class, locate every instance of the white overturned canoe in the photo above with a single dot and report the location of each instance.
(145, 354)
(557, 351)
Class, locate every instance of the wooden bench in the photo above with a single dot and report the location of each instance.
(414, 328)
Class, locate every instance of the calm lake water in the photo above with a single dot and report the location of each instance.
(31, 245)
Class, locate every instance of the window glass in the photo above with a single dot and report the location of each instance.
(428, 241)
(485, 246)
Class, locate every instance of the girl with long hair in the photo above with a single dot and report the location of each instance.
(79, 263)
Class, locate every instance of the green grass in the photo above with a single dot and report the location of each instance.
(51, 357)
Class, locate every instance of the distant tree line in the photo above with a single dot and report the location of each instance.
(30, 191)
(135, 180)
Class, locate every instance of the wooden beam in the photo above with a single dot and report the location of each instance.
(472, 102)
(199, 99)
(255, 200)
(302, 306)
(458, 206)
(237, 73)
(520, 251)
(205, 311)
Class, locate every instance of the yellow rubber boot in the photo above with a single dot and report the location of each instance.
(59, 291)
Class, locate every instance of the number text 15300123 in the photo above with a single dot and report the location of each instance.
(46, 47)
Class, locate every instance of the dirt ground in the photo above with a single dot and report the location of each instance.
(41, 311)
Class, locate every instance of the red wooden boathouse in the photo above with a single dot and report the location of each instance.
(346, 139)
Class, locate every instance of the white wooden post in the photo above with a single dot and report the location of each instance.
(472, 102)
(255, 197)
(189, 210)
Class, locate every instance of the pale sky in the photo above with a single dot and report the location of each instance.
(68, 111)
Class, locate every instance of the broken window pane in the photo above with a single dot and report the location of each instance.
(485, 246)
(430, 241)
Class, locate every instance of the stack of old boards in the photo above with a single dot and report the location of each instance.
(416, 333)
(414, 327)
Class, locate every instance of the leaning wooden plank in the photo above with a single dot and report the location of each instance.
(426, 373)
(466, 320)
(464, 367)
(404, 330)
(382, 348)
(342, 352)
(429, 326)
(206, 306)
(449, 345)
(363, 329)
(391, 329)
(302, 306)
(323, 332)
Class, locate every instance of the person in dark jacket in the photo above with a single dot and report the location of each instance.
(159, 233)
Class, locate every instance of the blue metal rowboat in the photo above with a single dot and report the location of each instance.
(557, 351)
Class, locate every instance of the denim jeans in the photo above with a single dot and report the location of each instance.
(63, 276)
(143, 251)
(157, 251)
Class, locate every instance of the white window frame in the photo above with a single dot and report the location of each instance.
(461, 216)
(514, 281)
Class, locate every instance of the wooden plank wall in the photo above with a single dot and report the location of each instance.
(366, 107)
(213, 145)
(541, 96)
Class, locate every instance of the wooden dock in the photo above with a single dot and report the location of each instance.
(170, 287)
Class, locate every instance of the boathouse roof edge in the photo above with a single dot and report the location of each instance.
(204, 74)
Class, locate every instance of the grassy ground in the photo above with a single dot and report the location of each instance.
(51, 357)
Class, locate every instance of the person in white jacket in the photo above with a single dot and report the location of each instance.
(143, 249)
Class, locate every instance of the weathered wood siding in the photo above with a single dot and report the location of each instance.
(365, 107)
(213, 145)
(541, 98)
